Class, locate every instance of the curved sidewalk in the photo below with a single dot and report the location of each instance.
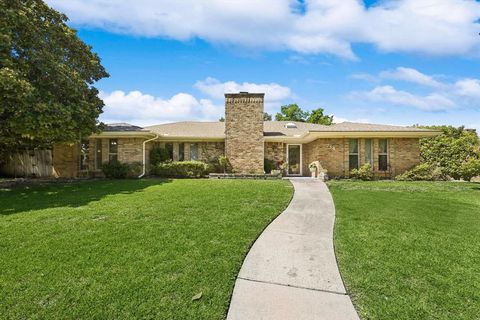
(291, 271)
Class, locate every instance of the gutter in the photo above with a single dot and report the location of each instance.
(144, 160)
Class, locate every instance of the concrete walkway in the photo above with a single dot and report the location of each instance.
(291, 271)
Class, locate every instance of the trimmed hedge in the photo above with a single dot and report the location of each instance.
(118, 170)
(181, 169)
(423, 172)
(363, 173)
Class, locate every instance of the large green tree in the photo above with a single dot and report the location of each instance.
(293, 112)
(46, 78)
(455, 151)
(317, 116)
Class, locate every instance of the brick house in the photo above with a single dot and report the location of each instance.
(246, 140)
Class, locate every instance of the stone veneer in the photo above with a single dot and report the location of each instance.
(275, 151)
(244, 145)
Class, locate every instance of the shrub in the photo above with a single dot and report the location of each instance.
(363, 173)
(470, 169)
(423, 172)
(159, 155)
(450, 150)
(115, 169)
(219, 165)
(181, 169)
(224, 164)
(269, 165)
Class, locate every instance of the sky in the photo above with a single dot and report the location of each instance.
(400, 62)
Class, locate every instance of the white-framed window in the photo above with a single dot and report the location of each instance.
(194, 151)
(353, 154)
(383, 154)
(113, 150)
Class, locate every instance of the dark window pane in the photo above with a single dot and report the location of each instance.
(181, 152)
(382, 146)
(169, 148)
(383, 162)
(353, 161)
(112, 157)
(98, 153)
(353, 145)
(113, 146)
(294, 159)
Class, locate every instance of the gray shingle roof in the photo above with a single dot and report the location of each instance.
(211, 130)
(121, 127)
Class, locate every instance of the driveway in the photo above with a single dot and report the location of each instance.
(291, 271)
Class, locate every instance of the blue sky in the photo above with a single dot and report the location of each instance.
(396, 62)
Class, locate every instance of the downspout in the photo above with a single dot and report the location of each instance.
(144, 156)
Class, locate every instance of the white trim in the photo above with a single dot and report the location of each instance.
(301, 160)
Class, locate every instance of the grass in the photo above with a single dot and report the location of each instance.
(129, 249)
(409, 250)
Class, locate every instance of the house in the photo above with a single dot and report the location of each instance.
(246, 140)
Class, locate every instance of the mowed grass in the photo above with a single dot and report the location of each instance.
(129, 249)
(409, 250)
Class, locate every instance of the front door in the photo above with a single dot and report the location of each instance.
(294, 158)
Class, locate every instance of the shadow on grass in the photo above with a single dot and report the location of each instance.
(73, 194)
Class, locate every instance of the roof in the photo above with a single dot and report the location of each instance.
(275, 129)
(122, 127)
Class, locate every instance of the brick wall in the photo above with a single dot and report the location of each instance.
(333, 154)
(244, 146)
(65, 160)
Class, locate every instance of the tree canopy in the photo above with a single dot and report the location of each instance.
(456, 151)
(46, 78)
(293, 112)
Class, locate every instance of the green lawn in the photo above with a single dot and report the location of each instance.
(409, 250)
(129, 249)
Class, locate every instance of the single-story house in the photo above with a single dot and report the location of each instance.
(246, 140)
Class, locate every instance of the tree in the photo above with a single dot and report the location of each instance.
(46, 78)
(291, 112)
(267, 117)
(222, 119)
(317, 116)
(455, 151)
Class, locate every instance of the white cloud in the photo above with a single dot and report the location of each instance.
(390, 95)
(437, 27)
(144, 109)
(469, 88)
(411, 75)
(216, 89)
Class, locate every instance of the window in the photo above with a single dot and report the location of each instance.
(169, 148)
(113, 150)
(98, 154)
(194, 151)
(84, 150)
(368, 151)
(181, 151)
(383, 154)
(353, 154)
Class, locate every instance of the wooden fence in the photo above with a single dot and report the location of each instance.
(31, 163)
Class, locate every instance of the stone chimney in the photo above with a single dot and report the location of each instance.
(244, 145)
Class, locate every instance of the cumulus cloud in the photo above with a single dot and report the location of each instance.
(144, 109)
(216, 89)
(390, 95)
(469, 88)
(411, 75)
(437, 27)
